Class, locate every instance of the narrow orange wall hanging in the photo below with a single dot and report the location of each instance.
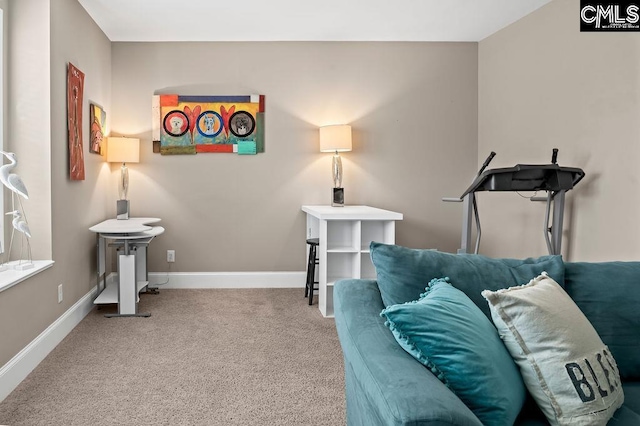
(75, 91)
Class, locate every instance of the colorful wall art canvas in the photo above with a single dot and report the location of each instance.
(75, 92)
(98, 119)
(195, 124)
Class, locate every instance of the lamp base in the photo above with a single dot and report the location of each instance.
(122, 209)
(337, 200)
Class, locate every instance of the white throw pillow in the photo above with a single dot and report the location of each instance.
(565, 366)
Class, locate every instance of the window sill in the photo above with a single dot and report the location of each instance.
(11, 277)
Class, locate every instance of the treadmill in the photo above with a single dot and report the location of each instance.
(555, 180)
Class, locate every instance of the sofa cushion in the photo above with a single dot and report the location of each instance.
(632, 396)
(403, 273)
(624, 417)
(609, 295)
(566, 367)
(384, 384)
(448, 333)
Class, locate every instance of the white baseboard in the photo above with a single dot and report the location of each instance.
(228, 279)
(23, 363)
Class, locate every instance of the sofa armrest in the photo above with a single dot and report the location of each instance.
(386, 385)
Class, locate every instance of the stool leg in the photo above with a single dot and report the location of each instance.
(309, 267)
(312, 274)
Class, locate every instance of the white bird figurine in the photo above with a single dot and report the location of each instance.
(19, 224)
(12, 180)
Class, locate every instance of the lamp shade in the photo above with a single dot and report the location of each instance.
(123, 150)
(335, 138)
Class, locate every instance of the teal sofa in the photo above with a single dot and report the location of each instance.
(387, 386)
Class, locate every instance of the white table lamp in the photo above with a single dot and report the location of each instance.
(123, 150)
(336, 138)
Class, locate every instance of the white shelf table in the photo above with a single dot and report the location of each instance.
(345, 234)
(131, 236)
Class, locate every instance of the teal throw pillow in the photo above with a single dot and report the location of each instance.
(402, 272)
(608, 293)
(448, 333)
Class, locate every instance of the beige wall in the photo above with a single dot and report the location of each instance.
(43, 40)
(543, 84)
(412, 106)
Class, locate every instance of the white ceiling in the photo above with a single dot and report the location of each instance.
(305, 20)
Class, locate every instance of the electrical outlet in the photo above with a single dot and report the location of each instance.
(60, 293)
(171, 256)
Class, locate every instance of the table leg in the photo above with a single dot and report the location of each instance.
(127, 286)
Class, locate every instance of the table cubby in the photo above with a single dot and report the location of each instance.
(345, 234)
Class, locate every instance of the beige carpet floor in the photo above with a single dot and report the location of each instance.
(204, 357)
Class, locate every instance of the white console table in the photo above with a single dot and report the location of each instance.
(345, 234)
(131, 236)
